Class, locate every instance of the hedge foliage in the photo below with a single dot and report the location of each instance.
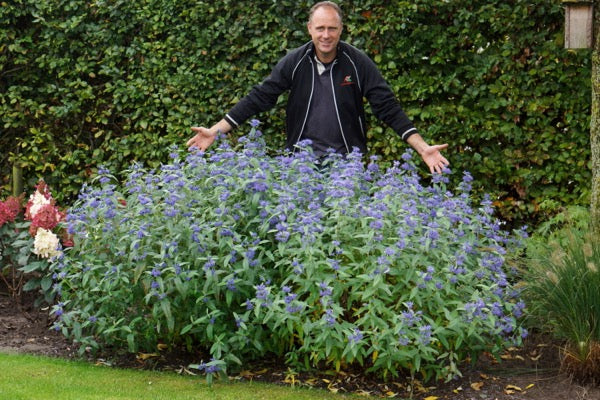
(92, 82)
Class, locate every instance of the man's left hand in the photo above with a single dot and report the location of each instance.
(434, 159)
(430, 154)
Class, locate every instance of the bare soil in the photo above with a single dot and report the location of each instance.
(530, 372)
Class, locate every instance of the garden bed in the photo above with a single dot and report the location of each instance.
(530, 372)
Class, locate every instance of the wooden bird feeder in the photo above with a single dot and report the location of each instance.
(579, 17)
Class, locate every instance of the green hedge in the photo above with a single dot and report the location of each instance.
(84, 83)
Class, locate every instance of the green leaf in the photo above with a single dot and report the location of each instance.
(46, 283)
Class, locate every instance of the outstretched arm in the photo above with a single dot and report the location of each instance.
(206, 136)
(430, 154)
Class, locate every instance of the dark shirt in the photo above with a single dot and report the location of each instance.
(322, 126)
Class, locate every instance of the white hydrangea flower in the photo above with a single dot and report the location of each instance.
(37, 200)
(46, 244)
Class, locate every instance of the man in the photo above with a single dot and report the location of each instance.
(327, 80)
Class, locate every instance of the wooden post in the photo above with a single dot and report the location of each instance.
(17, 180)
(595, 126)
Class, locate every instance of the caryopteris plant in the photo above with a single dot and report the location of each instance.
(329, 263)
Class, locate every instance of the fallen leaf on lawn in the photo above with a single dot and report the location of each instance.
(363, 393)
(506, 357)
(161, 346)
(431, 398)
(260, 371)
(457, 390)
(535, 358)
(507, 391)
(476, 385)
(389, 393)
(484, 376)
(530, 386)
(513, 387)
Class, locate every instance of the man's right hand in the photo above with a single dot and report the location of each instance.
(205, 136)
(203, 139)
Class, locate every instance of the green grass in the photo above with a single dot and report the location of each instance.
(26, 377)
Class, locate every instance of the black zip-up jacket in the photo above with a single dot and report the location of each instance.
(354, 76)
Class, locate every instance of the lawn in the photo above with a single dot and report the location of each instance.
(26, 377)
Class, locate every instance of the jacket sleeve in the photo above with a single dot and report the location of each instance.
(383, 102)
(263, 96)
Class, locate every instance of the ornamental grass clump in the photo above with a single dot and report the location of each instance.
(328, 263)
(562, 290)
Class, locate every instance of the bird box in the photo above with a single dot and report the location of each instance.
(579, 24)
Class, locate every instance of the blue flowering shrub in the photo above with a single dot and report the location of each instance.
(328, 263)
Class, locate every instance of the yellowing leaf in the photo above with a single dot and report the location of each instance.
(145, 356)
(476, 385)
(431, 398)
(375, 355)
(530, 386)
(311, 381)
(513, 387)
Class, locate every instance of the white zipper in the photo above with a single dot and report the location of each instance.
(337, 113)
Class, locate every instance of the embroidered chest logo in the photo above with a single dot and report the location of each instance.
(347, 81)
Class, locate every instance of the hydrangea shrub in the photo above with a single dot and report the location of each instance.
(327, 262)
(30, 236)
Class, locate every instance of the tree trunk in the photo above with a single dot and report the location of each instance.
(595, 124)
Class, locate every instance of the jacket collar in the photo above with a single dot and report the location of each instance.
(310, 49)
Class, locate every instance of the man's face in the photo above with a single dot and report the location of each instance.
(325, 29)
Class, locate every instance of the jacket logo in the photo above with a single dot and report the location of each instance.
(347, 81)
